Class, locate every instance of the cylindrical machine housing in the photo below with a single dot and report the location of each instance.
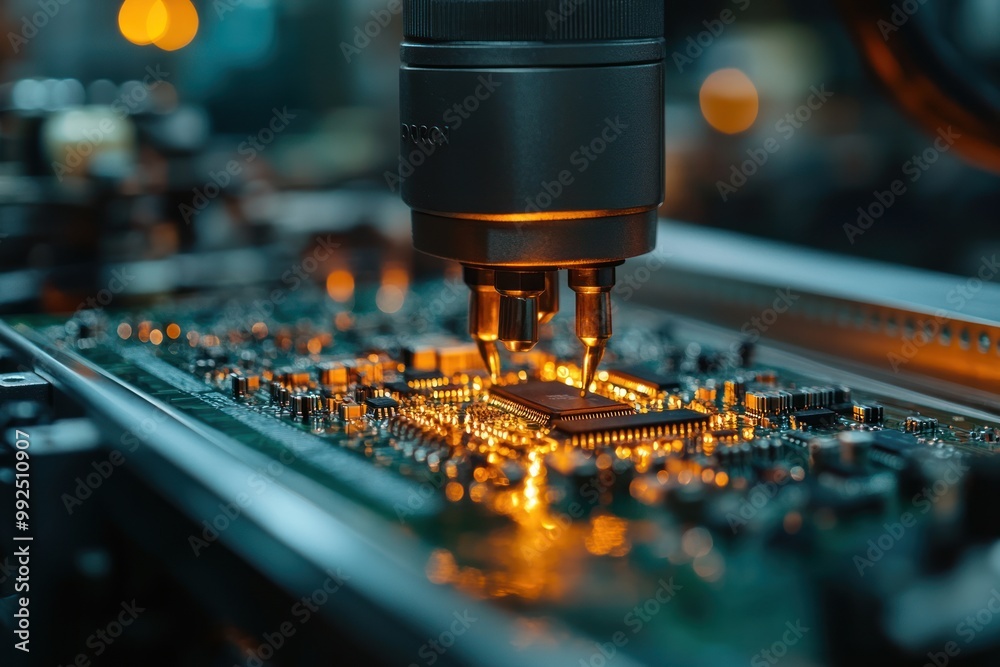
(532, 130)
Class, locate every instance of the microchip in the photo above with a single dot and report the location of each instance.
(399, 388)
(920, 424)
(869, 413)
(813, 418)
(425, 379)
(381, 407)
(643, 381)
(546, 402)
(631, 427)
(761, 403)
(894, 442)
(891, 447)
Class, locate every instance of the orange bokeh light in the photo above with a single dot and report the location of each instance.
(729, 101)
(181, 27)
(142, 21)
(169, 24)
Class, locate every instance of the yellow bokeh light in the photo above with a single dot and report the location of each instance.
(143, 21)
(182, 25)
(170, 24)
(729, 101)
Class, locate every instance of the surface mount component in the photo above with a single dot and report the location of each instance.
(643, 381)
(381, 407)
(546, 402)
(813, 418)
(530, 145)
(920, 424)
(868, 413)
(626, 428)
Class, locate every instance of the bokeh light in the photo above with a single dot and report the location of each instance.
(182, 25)
(169, 24)
(143, 21)
(729, 101)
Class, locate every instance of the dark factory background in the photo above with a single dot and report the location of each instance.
(254, 125)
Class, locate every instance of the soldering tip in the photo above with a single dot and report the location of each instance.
(591, 360)
(491, 357)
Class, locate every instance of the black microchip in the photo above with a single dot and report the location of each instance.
(641, 379)
(868, 413)
(894, 442)
(399, 388)
(813, 418)
(381, 407)
(550, 401)
(843, 409)
(920, 424)
(600, 430)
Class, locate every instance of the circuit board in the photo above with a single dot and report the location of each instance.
(695, 503)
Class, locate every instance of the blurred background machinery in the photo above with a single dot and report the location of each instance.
(156, 151)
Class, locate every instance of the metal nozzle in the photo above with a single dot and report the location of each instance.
(484, 314)
(593, 315)
(519, 292)
(548, 302)
(518, 323)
